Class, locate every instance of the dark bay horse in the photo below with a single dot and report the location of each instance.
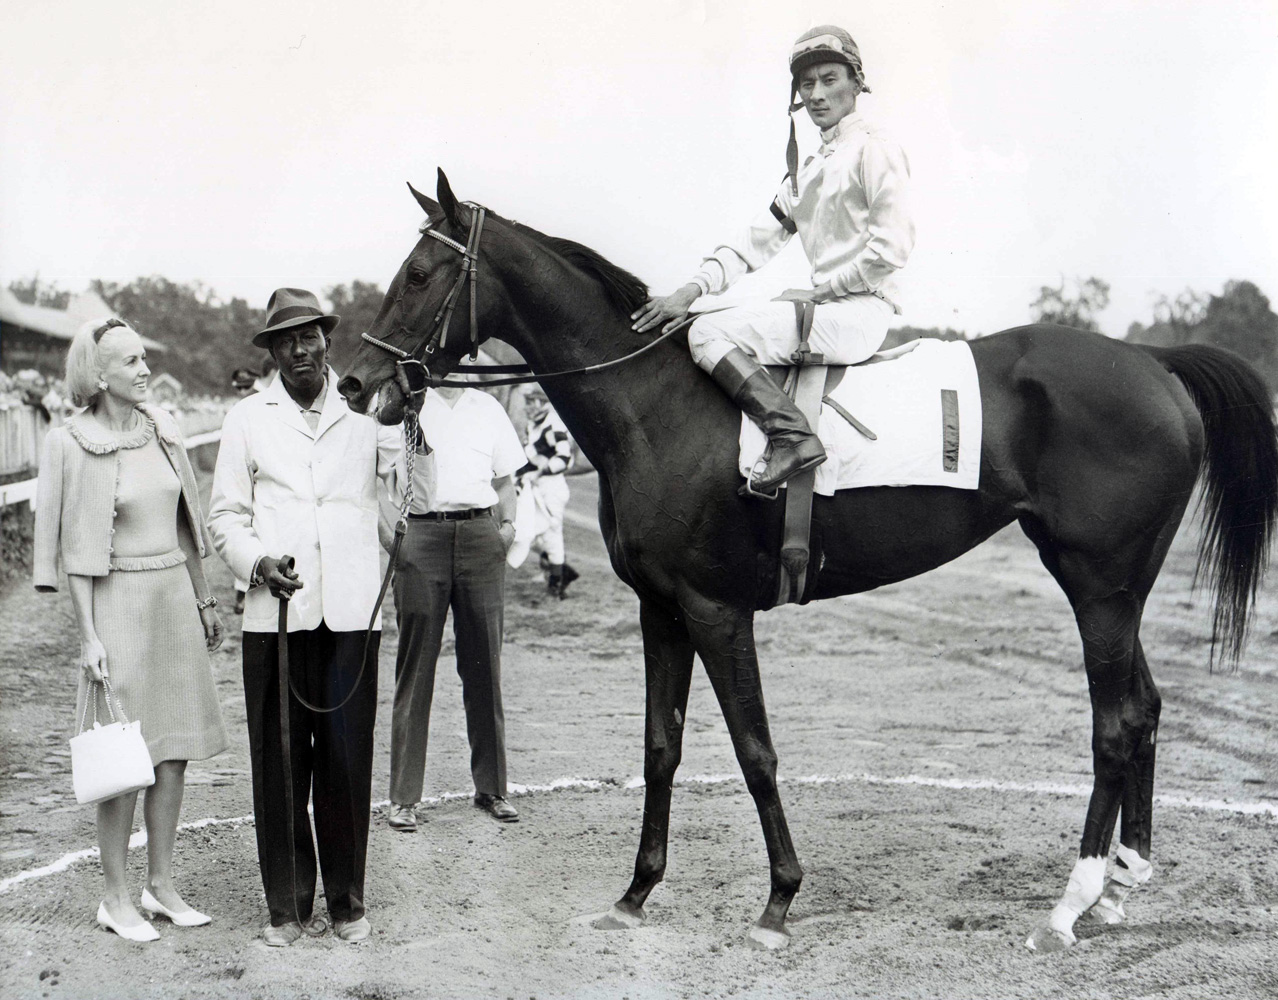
(1094, 446)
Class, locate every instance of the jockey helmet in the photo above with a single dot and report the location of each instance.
(826, 43)
(823, 44)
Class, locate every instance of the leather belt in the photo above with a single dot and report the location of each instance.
(453, 515)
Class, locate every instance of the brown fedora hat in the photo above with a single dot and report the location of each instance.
(289, 307)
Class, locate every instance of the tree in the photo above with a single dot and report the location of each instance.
(1055, 305)
(358, 304)
(1240, 320)
(35, 292)
(1175, 320)
(205, 338)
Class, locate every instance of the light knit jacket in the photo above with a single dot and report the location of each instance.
(75, 497)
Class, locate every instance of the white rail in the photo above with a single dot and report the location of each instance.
(25, 491)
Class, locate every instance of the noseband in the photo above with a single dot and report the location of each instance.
(413, 365)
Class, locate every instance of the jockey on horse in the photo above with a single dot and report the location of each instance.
(849, 206)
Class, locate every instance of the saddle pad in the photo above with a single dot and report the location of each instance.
(925, 408)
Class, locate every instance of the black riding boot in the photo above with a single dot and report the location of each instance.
(792, 445)
(561, 574)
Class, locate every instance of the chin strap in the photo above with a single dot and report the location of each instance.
(792, 147)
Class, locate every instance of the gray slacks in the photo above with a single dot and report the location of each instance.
(459, 565)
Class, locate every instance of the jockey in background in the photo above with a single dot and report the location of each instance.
(849, 206)
(549, 451)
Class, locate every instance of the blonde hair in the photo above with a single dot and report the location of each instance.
(84, 367)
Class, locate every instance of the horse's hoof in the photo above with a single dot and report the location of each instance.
(1107, 912)
(618, 919)
(1046, 940)
(767, 939)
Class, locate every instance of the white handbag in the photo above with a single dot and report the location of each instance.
(109, 760)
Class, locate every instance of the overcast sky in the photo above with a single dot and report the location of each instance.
(251, 145)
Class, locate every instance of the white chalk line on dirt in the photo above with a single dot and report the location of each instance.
(1243, 808)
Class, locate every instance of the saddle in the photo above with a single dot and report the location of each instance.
(808, 382)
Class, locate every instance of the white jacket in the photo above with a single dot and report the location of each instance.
(281, 489)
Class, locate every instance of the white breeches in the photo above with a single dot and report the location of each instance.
(552, 498)
(845, 330)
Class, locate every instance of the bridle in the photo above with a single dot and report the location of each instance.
(414, 364)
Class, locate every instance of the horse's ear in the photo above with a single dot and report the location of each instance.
(447, 200)
(428, 206)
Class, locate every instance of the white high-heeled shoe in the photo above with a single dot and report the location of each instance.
(141, 933)
(186, 918)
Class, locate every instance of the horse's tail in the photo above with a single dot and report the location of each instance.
(1240, 490)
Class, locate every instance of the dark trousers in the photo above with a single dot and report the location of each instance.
(459, 565)
(331, 756)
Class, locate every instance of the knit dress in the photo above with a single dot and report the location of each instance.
(145, 615)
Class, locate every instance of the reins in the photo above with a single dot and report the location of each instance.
(413, 364)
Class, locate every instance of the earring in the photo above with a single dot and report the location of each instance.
(102, 386)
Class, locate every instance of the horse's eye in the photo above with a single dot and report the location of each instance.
(416, 276)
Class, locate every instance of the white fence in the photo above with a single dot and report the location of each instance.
(22, 431)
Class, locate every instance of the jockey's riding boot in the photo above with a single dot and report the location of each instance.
(561, 574)
(793, 447)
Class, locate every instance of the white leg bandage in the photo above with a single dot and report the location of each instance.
(1138, 870)
(1085, 884)
(1109, 908)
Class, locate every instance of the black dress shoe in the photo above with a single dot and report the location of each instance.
(497, 807)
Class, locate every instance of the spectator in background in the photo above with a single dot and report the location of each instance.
(549, 451)
(119, 507)
(269, 372)
(454, 556)
(243, 383)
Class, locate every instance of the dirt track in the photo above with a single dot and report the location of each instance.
(934, 740)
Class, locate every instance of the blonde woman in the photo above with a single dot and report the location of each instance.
(117, 505)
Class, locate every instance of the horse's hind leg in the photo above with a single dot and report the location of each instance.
(667, 653)
(724, 637)
(1124, 718)
(1132, 866)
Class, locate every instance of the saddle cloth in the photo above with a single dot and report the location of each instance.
(923, 402)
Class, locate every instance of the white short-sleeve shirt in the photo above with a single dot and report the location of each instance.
(474, 443)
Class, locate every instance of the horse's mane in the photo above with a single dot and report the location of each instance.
(623, 289)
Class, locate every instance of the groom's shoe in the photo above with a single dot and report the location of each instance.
(497, 807)
(402, 818)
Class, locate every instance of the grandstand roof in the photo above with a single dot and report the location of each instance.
(59, 323)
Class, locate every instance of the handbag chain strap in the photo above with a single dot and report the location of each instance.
(108, 694)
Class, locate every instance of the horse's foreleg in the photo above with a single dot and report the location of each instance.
(1119, 720)
(724, 637)
(668, 667)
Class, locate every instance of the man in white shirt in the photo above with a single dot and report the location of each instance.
(297, 474)
(850, 208)
(454, 556)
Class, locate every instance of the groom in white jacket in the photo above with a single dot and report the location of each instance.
(297, 474)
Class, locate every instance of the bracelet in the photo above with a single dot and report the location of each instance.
(506, 520)
(208, 602)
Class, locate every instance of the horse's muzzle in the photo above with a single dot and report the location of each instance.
(353, 389)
